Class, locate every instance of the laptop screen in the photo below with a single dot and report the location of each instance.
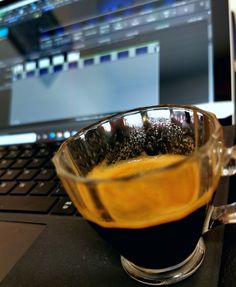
(66, 63)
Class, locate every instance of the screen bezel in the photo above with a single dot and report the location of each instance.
(222, 50)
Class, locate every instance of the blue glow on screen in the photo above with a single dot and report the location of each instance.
(3, 32)
(105, 6)
(59, 31)
(128, 12)
(92, 22)
(168, 2)
(148, 6)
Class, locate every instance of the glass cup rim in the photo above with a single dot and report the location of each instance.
(216, 127)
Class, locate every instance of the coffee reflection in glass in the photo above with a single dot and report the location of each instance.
(144, 180)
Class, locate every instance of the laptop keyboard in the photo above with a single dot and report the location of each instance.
(28, 181)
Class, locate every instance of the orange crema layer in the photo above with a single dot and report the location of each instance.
(149, 199)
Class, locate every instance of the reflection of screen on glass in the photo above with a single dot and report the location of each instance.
(83, 61)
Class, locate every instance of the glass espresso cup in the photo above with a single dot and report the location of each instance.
(144, 180)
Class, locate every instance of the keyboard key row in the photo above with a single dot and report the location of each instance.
(27, 174)
(16, 202)
(32, 187)
(28, 151)
(22, 163)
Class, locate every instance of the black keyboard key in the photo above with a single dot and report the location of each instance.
(14, 147)
(64, 207)
(42, 188)
(27, 146)
(20, 163)
(2, 153)
(10, 174)
(45, 174)
(54, 146)
(43, 152)
(5, 187)
(28, 204)
(49, 164)
(5, 163)
(59, 191)
(42, 145)
(12, 154)
(22, 188)
(28, 153)
(36, 163)
(27, 174)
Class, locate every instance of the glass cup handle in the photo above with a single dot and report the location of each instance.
(229, 161)
(218, 215)
(223, 214)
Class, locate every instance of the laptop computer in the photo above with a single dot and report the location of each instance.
(65, 64)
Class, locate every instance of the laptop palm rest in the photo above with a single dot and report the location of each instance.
(15, 239)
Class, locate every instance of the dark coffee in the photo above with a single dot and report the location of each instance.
(154, 221)
(159, 246)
